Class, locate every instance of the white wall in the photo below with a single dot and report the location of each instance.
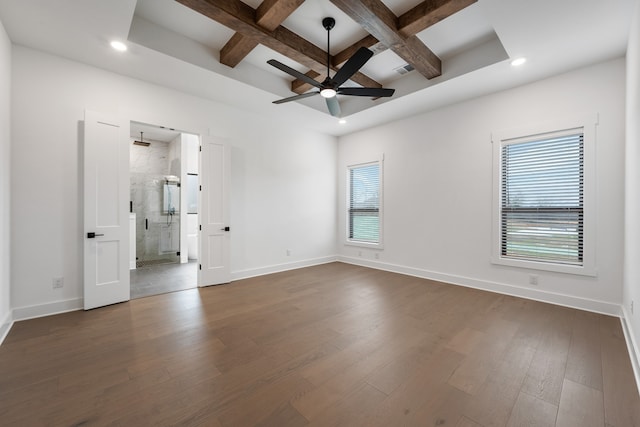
(283, 185)
(438, 187)
(631, 291)
(5, 189)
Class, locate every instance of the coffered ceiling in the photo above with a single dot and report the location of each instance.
(218, 49)
(434, 39)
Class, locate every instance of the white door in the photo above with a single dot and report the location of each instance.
(106, 213)
(215, 252)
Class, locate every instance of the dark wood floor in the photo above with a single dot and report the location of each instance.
(333, 345)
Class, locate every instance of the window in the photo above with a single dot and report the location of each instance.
(364, 200)
(542, 200)
(543, 216)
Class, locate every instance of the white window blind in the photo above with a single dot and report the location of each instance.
(364, 203)
(542, 200)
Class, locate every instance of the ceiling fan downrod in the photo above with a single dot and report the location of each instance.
(328, 24)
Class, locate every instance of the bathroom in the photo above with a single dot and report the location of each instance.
(163, 210)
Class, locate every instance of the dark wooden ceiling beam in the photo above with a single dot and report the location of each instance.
(428, 13)
(236, 49)
(272, 13)
(240, 17)
(269, 15)
(418, 19)
(381, 22)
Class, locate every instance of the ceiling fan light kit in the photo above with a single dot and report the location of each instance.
(328, 93)
(330, 87)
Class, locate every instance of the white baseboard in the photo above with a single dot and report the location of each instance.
(595, 306)
(5, 326)
(49, 309)
(277, 268)
(57, 307)
(632, 345)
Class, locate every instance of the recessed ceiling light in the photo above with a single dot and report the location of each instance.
(119, 46)
(342, 121)
(518, 61)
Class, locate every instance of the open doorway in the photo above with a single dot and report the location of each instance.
(163, 210)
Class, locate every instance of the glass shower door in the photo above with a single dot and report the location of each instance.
(156, 202)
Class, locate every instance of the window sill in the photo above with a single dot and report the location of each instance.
(364, 244)
(546, 266)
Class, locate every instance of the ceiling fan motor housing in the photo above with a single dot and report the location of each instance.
(328, 23)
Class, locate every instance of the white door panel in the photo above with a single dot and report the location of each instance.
(106, 195)
(215, 162)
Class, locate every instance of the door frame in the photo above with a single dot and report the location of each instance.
(202, 137)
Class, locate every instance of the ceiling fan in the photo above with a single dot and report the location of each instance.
(330, 87)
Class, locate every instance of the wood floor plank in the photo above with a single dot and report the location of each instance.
(260, 405)
(444, 409)
(484, 355)
(403, 405)
(284, 415)
(546, 373)
(620, 393)
(352, 377)
(466, 422)
(530, 411)
(493, 403)
(351, 409)
(580, 406)
(402, 367)
(466, 341)
(584, 362)
(334, 344)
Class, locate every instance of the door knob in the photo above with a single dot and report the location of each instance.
(92, 235)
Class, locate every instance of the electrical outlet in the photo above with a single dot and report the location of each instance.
(58, 282)
(631, 306)
(533, 279)
(377, 255)
(288, 252)
(359, 253)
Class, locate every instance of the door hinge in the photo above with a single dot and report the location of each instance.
(178, 253)
(201, 148)
(200, 266)
(200, 227)
(201, 188)
(178, 184)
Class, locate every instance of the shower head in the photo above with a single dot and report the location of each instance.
(141, 142)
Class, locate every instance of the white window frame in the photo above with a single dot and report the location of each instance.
(349, 241)
(585, 124)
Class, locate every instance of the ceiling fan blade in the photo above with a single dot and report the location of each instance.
(352, 65)
(373, 92)
(334, 106)
(295, 73)
(295, 98)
